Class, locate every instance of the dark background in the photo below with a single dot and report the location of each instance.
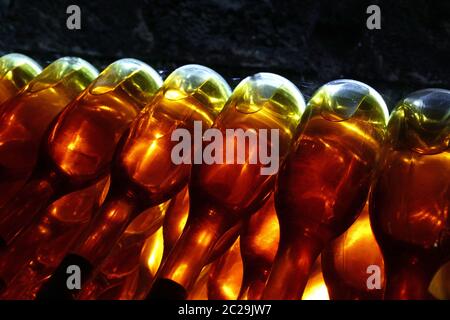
(309, 42)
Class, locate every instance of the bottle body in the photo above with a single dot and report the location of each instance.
(414, 247)
(324, 184)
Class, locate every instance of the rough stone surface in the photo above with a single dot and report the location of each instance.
(310, 42)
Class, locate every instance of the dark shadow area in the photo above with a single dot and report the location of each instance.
(309, 42)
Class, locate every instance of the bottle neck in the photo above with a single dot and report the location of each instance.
(292, 267)
(191, 253)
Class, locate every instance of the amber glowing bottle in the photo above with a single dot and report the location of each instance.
(38, 250)
(144, 173)
(325, 182)
(352, 264)
(25, 118)
(409, 207)
(226, 189)
(225, 275)
(259, 243)
(16, 70)
(118, 275)
(80, 144)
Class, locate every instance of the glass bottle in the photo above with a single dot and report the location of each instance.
(80, 144)
(409, 208)
(25, 118)
(144, 173)
(222, 194)
(324, 185)
(16, 70)
(349, 261)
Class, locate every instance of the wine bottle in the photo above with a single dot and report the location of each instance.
(175, 219)
(410, 201)
(325, 183)
(222, 192)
